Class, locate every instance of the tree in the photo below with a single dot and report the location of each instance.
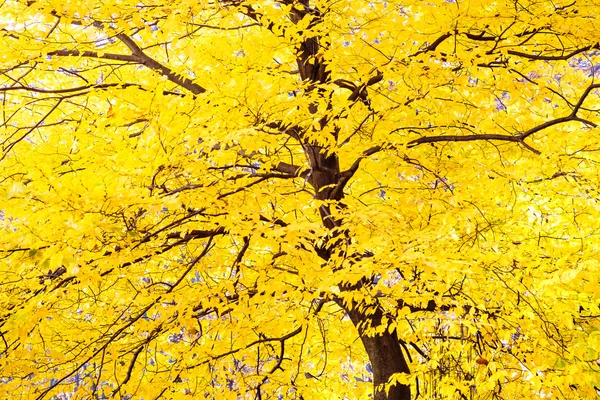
(273, 199)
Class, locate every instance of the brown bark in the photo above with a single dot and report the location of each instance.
(384, 351)
(385, 355)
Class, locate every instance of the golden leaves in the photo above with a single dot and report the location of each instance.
(159, 238)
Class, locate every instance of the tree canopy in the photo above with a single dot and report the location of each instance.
(294, 199)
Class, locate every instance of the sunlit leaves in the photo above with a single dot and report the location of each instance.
(183, 216)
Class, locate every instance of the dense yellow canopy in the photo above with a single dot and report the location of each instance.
(240, 199)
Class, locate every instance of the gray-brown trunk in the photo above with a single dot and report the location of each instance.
(385, 355)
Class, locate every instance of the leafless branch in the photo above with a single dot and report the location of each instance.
(433, 45)
(541, 57)
(520, 138)
(254, 343)
(156, 66)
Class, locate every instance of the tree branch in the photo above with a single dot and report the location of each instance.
(515, 138)
(541, 57)
(345, 176)
(433, 45)
(95, 54)
(156, 66)
(254, 343)
(137, 57)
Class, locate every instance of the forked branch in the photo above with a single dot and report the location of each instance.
(515, 138)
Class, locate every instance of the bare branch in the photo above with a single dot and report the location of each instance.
(433, 45)
(156, 66)
(102, 348)
(95, 54)
(563, 56)
(583, 97)
(345, 176)
(136, 354)
(9, 147)
(515, 138)
(137, 57)
(221, 28)
(288, 169)
(254, 343)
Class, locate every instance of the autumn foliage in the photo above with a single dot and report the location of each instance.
(238, 199)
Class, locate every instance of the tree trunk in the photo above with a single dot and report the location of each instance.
(385, 355)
